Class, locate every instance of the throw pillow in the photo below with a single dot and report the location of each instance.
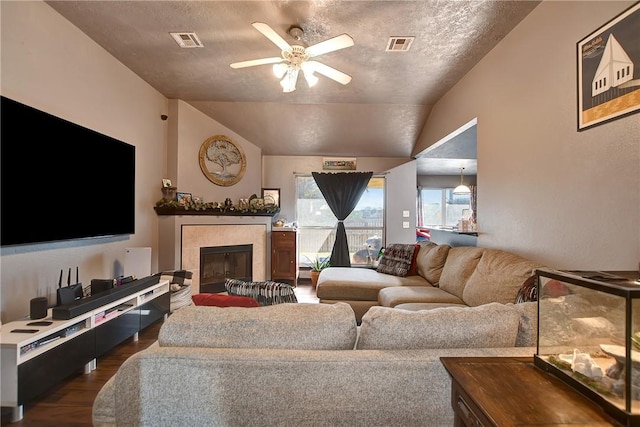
(266, 293)
(399, 260)
(529, 291)
(219, 300)
(181, 277)
(491, 325)
(304, 326)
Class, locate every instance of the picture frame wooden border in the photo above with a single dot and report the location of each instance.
(339, 163)
(222, 160)
(273, 193)
(606, 90)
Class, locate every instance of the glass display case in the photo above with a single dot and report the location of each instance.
(589, 336)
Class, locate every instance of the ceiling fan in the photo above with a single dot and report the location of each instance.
(296, 57)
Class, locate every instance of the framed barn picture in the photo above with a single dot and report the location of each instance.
(609, 70)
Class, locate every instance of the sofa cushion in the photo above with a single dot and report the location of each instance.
(430, 261)
(221, 300)
(498, 277)
(416, 306)
(266, 293)
(490, 325)
(460, 264)
(358, 284)
(398, 259)
(390, 297)
(302, 326)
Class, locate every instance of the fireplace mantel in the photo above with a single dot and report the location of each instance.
(167, 210)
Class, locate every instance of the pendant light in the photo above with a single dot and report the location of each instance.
(461, 189)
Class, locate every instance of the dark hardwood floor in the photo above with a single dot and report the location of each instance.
(69, 403)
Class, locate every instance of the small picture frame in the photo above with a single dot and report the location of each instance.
(271, 196)
(183, 198)
(337, 163)
(166, 182)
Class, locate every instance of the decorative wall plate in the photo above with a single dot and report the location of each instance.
(222, 161)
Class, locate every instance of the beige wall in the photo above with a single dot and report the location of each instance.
(49, 64)
(566, 198)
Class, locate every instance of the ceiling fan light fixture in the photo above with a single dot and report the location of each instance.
(289, 80)
(280, 70)
(461, 189)
(308, 70)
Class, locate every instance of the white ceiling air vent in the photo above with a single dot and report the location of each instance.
(399, 44)
(187, 40)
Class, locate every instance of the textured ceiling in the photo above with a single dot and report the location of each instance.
(379, 114)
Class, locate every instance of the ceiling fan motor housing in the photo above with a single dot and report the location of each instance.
(296, 56)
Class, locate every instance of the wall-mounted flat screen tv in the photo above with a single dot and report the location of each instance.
(61, 181)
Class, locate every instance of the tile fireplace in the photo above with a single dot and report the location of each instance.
(193, 237)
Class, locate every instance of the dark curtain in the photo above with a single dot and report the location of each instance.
(473, 205)
(342, 191)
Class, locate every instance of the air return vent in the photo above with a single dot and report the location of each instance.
(399, 44)
(187, 40)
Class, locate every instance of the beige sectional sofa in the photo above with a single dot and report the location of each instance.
(307, 365)
(446, 276)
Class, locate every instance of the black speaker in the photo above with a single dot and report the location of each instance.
(100, 285)
(38, 308)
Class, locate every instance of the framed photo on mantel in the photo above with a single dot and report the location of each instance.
(271, 196)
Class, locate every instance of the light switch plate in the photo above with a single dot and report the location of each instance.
(405, 224)
(405, 214)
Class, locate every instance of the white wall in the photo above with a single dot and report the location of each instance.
(566, 198)
(49, 64)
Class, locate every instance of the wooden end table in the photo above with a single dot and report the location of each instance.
(511, 391)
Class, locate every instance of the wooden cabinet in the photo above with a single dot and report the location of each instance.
(284, 255)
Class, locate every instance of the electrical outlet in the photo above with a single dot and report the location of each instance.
(405, 214)
(405, 224)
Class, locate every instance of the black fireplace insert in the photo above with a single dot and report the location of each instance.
(218, 263)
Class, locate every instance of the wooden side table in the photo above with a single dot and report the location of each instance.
(511, 391)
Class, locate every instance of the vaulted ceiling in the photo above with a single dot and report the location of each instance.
(380, 113)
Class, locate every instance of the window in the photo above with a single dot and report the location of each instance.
(439, 207)
(317, 224)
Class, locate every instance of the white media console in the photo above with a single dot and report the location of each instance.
(36, 354)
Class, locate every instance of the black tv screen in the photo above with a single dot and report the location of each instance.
(61, 181)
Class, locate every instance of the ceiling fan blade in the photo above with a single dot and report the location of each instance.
(269, 33)
(330, 72)
(255, 62)
(336, 43)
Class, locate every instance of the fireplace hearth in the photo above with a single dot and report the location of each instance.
(218, 263)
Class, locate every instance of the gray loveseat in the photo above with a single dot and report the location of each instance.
(307, 365)
(445, 276)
